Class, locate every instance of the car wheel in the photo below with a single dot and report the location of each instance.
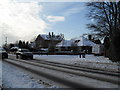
(32, 58)
(17, 56)
(7, 57)
(21, 57)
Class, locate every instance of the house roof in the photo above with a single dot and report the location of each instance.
(44, 36)
(79, 41)
(47, 37)
(83, 41)
(15, 48)
(65, 43)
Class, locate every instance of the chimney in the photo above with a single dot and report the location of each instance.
(52, 34)
(89, 37)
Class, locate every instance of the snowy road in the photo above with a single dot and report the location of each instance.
(91, 61)
(98, 62)
(15, 78)
(28, 82)
(0, 73)
(73, 80)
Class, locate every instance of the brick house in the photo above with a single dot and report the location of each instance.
(45, 41)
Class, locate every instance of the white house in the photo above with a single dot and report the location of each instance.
(81, 43)
(64, 46)
(64, 43)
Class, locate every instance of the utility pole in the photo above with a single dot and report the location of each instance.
(5, 40)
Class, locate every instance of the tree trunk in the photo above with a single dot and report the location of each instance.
(115, 47)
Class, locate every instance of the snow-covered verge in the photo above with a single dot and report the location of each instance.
(0, 73)
(15, 78)
(89, 61)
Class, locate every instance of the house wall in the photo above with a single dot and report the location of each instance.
(39, 40)
(88, 49)
(76, 49)
(42, 43)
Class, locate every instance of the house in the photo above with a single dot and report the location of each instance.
(64, 46)
(84, 44)
(46, 41)
(32, 45)
(76, 44)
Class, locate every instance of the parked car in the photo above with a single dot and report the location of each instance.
(24, 54)
(14, 50)
(3, 54)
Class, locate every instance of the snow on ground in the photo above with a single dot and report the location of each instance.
(90, 61)
(12, 77)
(15, 78)
(0, 73)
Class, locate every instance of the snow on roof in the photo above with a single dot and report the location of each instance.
(79, 41)
(15, 48)
(84, 41)
(47, 37)
(65, 43)
(45, 49)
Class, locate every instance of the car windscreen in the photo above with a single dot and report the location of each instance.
(2, 50)
(25, 50)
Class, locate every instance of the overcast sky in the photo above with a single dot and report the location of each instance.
(25, 19)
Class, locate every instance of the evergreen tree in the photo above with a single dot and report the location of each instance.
(20, 44)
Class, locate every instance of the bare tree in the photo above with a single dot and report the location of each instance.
(106, 16)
